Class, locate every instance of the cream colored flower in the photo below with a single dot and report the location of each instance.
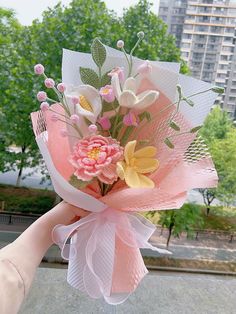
(136, 164)
(86, 100)
(129, 98)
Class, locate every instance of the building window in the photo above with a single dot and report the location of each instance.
(228, 39)
(224, 58)
(185, 54)
(202, 28)
(187, 36)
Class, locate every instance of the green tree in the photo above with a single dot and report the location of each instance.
(219, 133)
(17, 101)
(224, 155)
(216, 126)
(181, 220)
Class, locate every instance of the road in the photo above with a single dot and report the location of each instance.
(183, 250)
(158, 293)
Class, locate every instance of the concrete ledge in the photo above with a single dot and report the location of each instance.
(158, 293)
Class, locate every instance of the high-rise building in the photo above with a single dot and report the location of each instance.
(208, 45)
(206, 32)
(229, 98)
(172, 12)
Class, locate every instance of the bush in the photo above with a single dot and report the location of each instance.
(25, 200)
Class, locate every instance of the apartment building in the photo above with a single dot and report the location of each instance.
(205, 32)
(208, 45)
(172, 12)
(229, 98)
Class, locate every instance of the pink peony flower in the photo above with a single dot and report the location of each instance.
(96, 156)
(49, 83)
(107, 93)
(105, 123)
(119, 71)
(38, 69)
(61, 87)
(42, 96)
(131, 119)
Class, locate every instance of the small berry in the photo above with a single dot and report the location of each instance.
(38, 69)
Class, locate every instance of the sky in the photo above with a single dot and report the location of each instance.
(28, 10)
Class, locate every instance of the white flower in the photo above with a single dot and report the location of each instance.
(89, 101)
(129, 98)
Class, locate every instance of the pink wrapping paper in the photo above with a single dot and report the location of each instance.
(104, 257)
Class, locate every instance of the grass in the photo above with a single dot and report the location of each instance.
(26, 200)
(219, 220)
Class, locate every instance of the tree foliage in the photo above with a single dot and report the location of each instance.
(220, 135)
(181, 220)
(224, 155)
(216, 126)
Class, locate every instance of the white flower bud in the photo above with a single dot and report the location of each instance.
(140, 35)
(120, 44)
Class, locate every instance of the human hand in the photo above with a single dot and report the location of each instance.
(37, 238)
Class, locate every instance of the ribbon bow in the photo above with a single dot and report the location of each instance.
(104, 251)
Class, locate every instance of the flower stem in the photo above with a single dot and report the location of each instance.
(128, 61)
(168, 107)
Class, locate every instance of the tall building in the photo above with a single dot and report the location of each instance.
(229, 98)
(172, 12)
(208, 45)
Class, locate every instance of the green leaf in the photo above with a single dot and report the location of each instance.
(145, 115)
(218, 89)
(195, 129)
(78, 184)
(168, 142)
(127, 134)
(119, 125)
(143, 142)
(106, 80)
(109, 106)
(89, 76)
(189, 102)
(174, 126)
(98, 51)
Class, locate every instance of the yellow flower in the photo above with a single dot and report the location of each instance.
(136, 164)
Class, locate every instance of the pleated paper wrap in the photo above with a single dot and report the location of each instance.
(103, 252)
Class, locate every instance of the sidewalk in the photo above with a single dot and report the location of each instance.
(213, 249)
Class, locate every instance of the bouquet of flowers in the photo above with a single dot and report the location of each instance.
(120, 138)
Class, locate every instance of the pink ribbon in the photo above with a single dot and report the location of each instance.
(92, 250)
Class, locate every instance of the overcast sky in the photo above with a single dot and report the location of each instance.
(28, 10)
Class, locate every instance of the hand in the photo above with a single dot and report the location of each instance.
(37, 238)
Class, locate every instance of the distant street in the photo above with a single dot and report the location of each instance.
(33, 181)
(180, 248)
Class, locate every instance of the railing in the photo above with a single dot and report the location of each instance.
(207, 234)
(229, 235)
(10, 218)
